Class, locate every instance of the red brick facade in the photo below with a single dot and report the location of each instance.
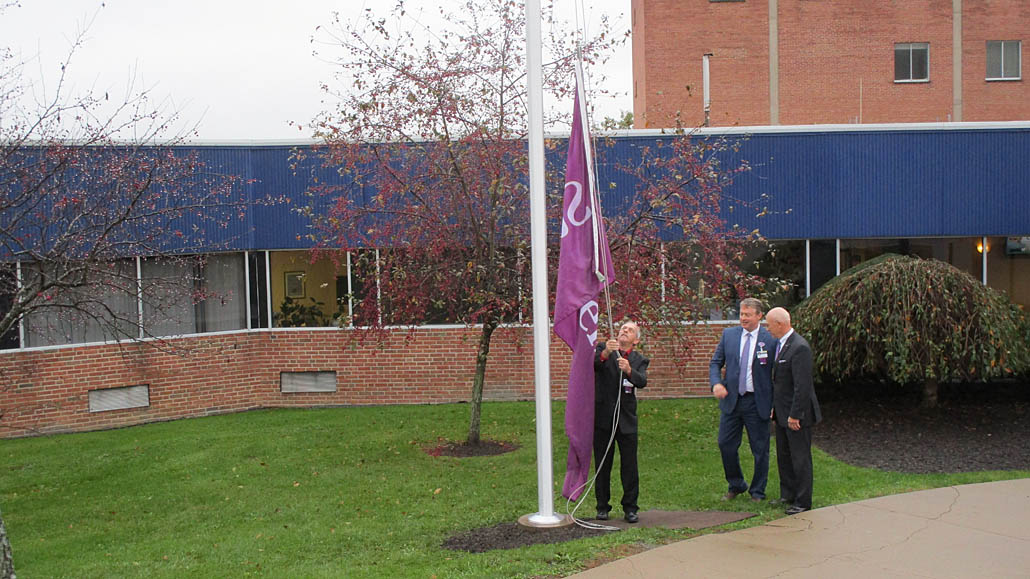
(835, 61)
(47, 391)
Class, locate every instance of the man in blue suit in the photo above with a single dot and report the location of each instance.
(740, 374)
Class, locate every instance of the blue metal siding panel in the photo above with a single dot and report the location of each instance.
(235, 161)
(615, 187)
(991, 190)
(815, 185)
(280, 225)
(889, 184)
(800, 199)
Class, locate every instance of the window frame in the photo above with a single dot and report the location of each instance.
(911, 46)
(1001, 63)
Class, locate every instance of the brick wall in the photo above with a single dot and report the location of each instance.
(47, 391)
(836, 61)
(996, 100)
(669, 39)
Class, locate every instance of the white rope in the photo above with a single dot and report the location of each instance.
(590, 483)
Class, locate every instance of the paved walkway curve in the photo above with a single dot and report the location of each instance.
(977, 530)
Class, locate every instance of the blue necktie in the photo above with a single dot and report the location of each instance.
(744, 360)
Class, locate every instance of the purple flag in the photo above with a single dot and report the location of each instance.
(576, 308)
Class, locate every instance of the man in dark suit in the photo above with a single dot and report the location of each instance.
(740, 374)
(618, 371)
(796, 411)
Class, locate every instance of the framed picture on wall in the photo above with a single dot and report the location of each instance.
(295, 284)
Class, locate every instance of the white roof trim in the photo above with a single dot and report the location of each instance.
(844, 128)
(699, 131)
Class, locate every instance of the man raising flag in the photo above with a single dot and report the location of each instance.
(584, 269)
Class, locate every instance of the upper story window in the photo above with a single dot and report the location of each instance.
(912, 62)
(1003, 59)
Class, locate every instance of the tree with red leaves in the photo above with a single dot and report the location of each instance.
(429, 136)
(429, 139)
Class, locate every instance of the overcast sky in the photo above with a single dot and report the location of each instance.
(239, 69)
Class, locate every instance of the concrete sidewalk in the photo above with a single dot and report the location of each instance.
(978, 530)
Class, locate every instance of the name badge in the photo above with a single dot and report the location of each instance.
(762, 354)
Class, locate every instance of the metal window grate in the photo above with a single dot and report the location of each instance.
(119, 398)
(291, 382)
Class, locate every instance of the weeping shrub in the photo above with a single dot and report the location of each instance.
(908, 320)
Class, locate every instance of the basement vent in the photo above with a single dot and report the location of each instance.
(119, 398)
(290, 382)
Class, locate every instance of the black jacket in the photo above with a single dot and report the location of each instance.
(607, 389)
(793, 391)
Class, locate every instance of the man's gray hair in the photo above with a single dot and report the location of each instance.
(753, 303)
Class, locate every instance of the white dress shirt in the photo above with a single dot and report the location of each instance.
(750, 355)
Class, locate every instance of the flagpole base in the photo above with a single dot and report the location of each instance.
(536, 520)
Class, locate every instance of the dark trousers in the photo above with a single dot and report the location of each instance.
(794, 461)
(627, 469)
(731, 432)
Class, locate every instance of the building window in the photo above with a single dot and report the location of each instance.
(1003, 59)
(190, 295)
(258, 290)
(912, 62)
(102, 304)
(8, 291)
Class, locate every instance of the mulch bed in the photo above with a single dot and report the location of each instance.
(466, 450)
(512, 535)
(975, 427)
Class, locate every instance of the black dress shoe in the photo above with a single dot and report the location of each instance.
(793, 510)
(602, 515)
(730, 495)
(631, 517)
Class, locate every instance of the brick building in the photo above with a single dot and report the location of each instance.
(792, 62)
(836, 196)
(237, 351)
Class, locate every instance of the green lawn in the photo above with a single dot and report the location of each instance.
(350, 492)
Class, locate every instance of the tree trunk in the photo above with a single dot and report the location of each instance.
(6, 560)
(477, 382)
(930, 387)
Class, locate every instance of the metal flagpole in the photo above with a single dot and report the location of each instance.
(545, 517)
